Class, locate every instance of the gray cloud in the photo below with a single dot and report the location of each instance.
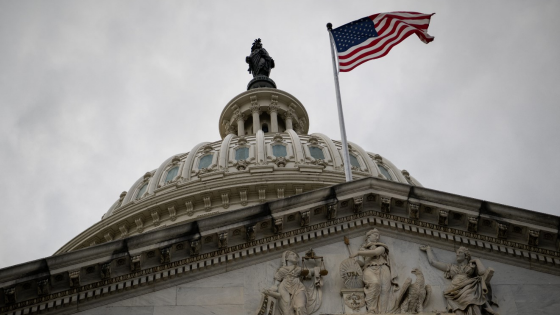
(93, 95)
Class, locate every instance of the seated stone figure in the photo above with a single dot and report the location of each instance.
(294, 298)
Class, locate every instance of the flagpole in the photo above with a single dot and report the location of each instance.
(345, 154)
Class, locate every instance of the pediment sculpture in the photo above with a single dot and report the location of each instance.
(370, 281)
(470, 291)
(292, 296)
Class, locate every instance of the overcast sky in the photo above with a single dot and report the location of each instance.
(93, 94)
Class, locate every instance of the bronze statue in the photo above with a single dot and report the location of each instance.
(259, 61)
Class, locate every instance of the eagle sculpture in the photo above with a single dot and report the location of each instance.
(414, 296)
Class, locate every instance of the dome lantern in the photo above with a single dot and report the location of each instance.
(267, 109)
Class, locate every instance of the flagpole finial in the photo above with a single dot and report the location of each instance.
(329, 26)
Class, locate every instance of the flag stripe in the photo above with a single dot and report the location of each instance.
(385, 30)
(377, 46)
(386, 49)
(392, 28)
(387, 33)
(397, 37)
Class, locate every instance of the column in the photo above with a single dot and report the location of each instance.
(237, 116)
(290, 114)
(274, 121)
(289, 122)
(255, 109)
(240, 125)
(273, 111)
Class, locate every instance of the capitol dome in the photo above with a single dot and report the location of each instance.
(265, 154)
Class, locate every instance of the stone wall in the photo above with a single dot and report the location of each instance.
(516, 290)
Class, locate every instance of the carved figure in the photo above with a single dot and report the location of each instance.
(416, 295)
(380, 283)
(260, 62)
(470, 282)
(294, 298)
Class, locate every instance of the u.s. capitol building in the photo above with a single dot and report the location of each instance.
(263, 222)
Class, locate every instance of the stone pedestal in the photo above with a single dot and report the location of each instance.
(261, 81)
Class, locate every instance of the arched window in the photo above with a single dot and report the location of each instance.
(265, 128)
(384, 171)
(141, 191)
(354, 161)
(241, 154)
(205, 161)
(171, 174)
(279, 150)
(317, 153)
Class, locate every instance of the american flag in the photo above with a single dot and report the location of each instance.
(374, 36)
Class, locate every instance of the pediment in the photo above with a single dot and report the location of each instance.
(515, 290)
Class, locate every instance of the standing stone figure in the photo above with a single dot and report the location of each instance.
(259, 61)
(468, 293)
(293, 297)
(380, 283)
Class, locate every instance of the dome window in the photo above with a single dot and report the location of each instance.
(265, 128)
(241, 154)
(385, 172)
(171, 174)
(354, 161)
(279, 150)
(317, 153)
(205, 161)
(141, 191)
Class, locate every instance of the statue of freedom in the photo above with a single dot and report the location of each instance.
(259, 61)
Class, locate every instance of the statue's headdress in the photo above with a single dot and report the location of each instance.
(374, 231)
(285, 257)
(466, 252)
(257, 41)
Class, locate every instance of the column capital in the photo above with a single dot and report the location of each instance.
(240, 117)
(273, 107)
(255, 109)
